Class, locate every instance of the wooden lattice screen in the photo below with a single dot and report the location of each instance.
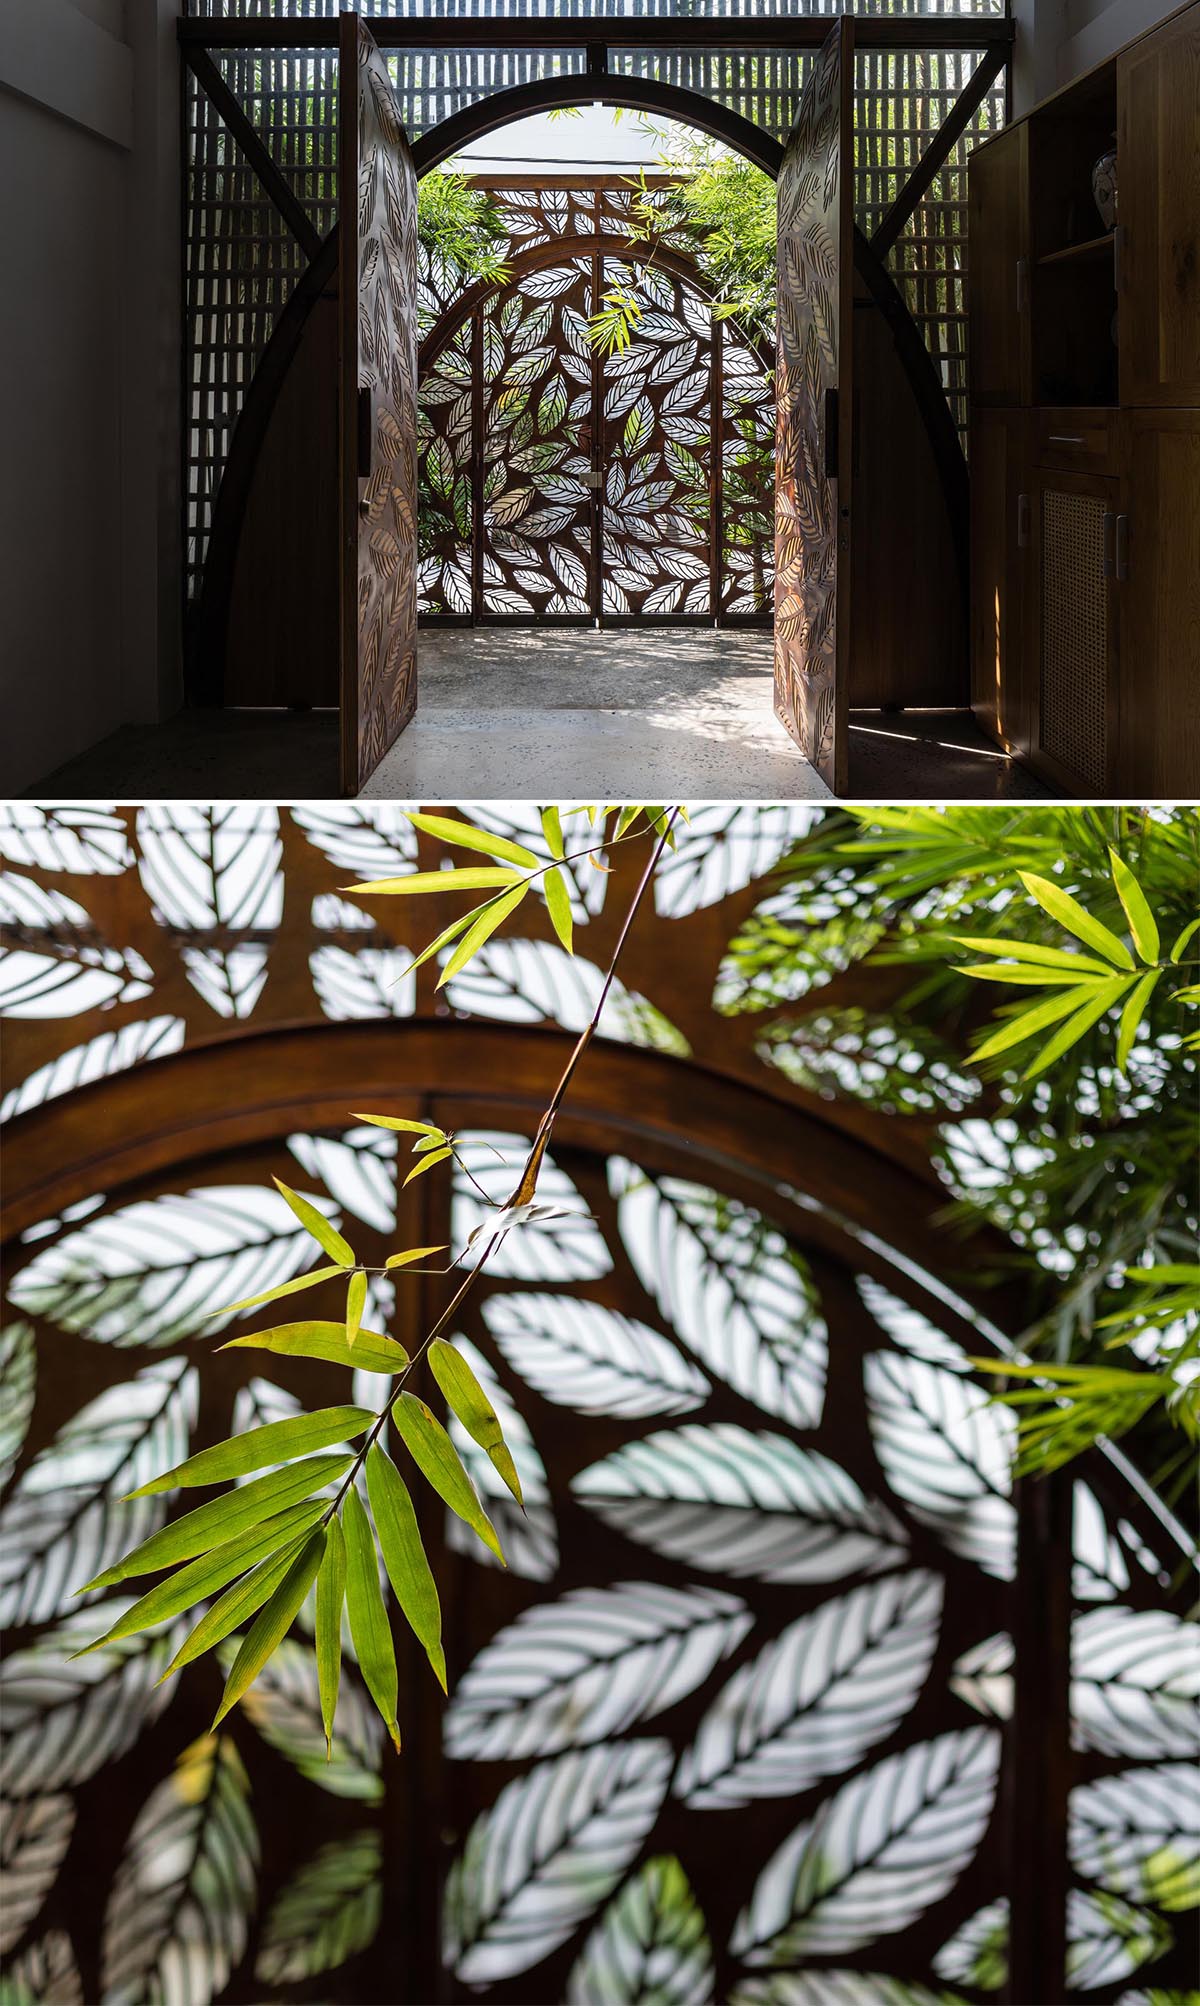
(243, 261)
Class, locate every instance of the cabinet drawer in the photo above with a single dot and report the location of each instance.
(1081, 441)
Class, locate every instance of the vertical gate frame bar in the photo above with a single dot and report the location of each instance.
(476, 465)
(599, 454)
(716, 473)
(1037, 1760)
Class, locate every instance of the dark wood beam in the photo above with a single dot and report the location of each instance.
(936, 154)
(568, 31)
(214, 86)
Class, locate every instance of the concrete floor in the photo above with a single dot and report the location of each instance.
(684, 713)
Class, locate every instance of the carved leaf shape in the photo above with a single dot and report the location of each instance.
(34, 1836)
(592, 1359)
(86, 839)
(549, 1851)
(528, 1538)
(111, 1052)
(65, 1717)
(650, 1945)
(329, 1911)
(947, 1452)
(1138, 1833)
(587, 1667)
(1135, 1689)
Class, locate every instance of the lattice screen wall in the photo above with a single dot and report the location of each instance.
(243, 262)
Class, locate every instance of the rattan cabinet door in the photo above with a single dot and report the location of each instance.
(813, 406)
(378, 412)
(1074, 628)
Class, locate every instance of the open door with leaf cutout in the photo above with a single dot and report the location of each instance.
(378, 412)
(813, 404)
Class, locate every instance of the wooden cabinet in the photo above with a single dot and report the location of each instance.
(1085, 429)
(1001, 521)
(1158, 590)
(1158, 214)
(998, 259)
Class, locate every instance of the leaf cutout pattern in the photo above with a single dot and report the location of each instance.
(1108, 1939)
(535, 981)
(566, 1250)
(66, 1717)
(1135, 1687)
(368, 982)
(1138, 1834)
(88, 839)
(736, 1292)
(112, 1052)
(731, 1501)
(650, 1945)
(63, 1522)
(837, 1988)
(877, 1854)
(187, 1878)
(595, 1360)
(357, 1168)
(216, 867)
(529, 1538)
(44, 1975)
(328, 1912)
(34, 1836)
(982, 1677)
(365, 839)
(947, 1452)
(1100, 1572)
(54, 962)
(285, 1705)
(156, 1271)
(553, 1846)
(722, 849)
(910, 1329)
(817, 1697)
(18, 1379)
(977, 1953)
(587, 1667)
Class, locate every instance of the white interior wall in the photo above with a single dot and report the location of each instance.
(89, 369)
(1057, 40)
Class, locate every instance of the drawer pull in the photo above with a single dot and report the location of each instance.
(1066, 439)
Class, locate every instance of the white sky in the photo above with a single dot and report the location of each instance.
(596, 137)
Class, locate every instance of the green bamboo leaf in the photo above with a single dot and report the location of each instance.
(239, 1602)
(285, 1289)
(443, 939)
(272, 1623)
(1143, 926)
(369, 1624)
(1070, 914)
(356, 1302)
(315, 1223)
(1068, 1034)
(1029, 976)
(372, 1351)
(1183, 939)
(1025, 950)
(552, 831)
(400, 1124)
(437, 1458)
(468, 837)
(331, 1593)
(224, 1518)
(488, 918)
(466, 1398)
(625, 820)
(277, 1442)
(404, 1556)
(1034, 1019)
(558, 905)
(482, 878)
(412, 1254)
(202, 1577)
(428, 1162)
(1132, 1014)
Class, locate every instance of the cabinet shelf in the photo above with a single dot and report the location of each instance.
(1091, 252)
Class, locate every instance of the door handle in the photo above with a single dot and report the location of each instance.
(366, 430)
(1022, 522)
(1022, 284)
(1121, 549)
(1110, 543)
(831, 434)
(1064, 439)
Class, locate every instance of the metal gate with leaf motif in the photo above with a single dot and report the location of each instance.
(557, 482)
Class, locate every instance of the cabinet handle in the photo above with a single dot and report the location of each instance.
(1022, 284)
(1121, 550)
(1110, 543)
(1022, 522)
(1065, 439)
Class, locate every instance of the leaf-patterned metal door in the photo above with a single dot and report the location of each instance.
(813, 413)
(378, 293)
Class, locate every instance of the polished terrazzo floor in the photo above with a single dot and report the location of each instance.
(507, 713)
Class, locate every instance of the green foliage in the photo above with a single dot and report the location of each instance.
(260, 1547)
(462, 225)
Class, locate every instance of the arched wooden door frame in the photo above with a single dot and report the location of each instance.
(206, 668)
